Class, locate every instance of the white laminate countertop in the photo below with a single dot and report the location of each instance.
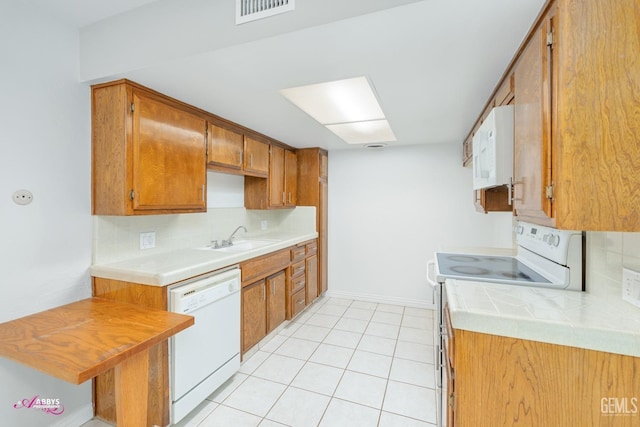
(575, 319)
(170, 267)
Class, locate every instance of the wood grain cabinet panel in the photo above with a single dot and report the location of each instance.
(313, 190)
(254, 319)
(279, 190)
(311, 278)
(104, 385)
(576, 95)
(256, 157)
(148, 152)
(532, 128)
(576, 98)
(225, 149)
(494, 199)
(501, 381)
(276, 289)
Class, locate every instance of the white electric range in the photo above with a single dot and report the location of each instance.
(546, 257)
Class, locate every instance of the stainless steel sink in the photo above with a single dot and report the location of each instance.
(242, 245)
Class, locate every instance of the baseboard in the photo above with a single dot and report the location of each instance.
(381, 299)
(76, 418)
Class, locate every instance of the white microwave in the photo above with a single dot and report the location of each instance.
(493, 149)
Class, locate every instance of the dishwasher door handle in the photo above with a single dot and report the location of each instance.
(199, 293)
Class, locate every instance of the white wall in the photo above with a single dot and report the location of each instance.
(45, 247)
(391, 209)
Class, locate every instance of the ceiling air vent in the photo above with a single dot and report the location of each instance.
(250, 10)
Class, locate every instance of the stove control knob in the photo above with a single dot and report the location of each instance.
(552, 239)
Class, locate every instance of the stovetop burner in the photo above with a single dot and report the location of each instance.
(487, 268)
(470, 270)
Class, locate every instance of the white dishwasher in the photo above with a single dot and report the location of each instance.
(207, 354)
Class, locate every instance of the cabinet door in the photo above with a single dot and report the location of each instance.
(276, 177)
(254, 319)
(311, 271)
(225, 148)
(256, 157)
(169, 166)
(290, 177)
(323, 230)
(276, 286)
(532, 150)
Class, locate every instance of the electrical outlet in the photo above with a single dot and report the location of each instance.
(22, 197)
(263, 224)
(631, 286)
(148, 240)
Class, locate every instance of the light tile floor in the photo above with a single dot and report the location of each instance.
(340, 363)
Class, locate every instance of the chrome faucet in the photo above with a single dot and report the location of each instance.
(229, 240)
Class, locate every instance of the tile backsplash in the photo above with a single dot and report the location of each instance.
(118, 238)
(607, 254)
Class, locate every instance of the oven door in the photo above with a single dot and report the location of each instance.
(437, 337)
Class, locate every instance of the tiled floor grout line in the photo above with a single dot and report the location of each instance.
(355, 349)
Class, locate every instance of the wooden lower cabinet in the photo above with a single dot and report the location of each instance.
(501, 381)
(254, 318)
(311, 275)
(263, 308)
(276, 289)
(264, 298)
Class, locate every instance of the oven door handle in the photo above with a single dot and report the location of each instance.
(431, 273)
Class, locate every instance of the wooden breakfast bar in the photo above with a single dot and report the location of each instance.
(78, 341)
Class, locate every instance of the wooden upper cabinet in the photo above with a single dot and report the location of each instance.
(276, 177)
(504, 93)
(148, 152)
(282, 177)
(280, 189)
(596, 150)
(256, 157)
(290, 178)
(234, 152)
(532, 127)
(225, 149)
(576, 118)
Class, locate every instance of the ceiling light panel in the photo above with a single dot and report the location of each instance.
(364, 132)
(341, 101)
(348, 108)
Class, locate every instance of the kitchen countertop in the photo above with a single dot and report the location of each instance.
(78, 341)
(170, 267)
(575, 319)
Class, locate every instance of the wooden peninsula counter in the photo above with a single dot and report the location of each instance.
(78, 341)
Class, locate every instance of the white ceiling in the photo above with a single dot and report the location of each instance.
(433, 63)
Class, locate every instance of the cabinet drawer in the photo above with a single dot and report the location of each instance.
(298, 283)
(298, 269)
(297, 253)
(312, 248)
(449, 338)
(263, 266)
(297, 302)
